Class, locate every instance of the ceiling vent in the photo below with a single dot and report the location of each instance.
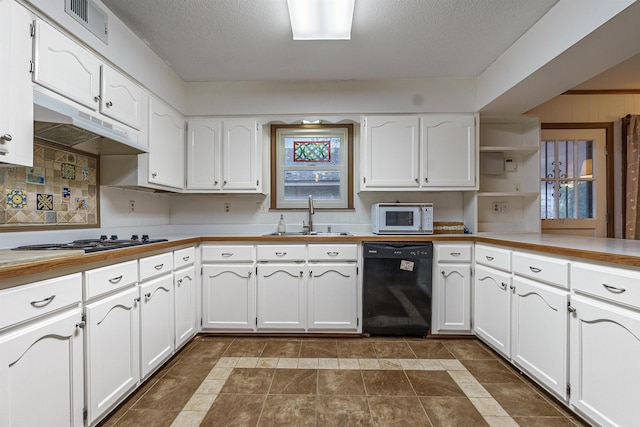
(90, 16)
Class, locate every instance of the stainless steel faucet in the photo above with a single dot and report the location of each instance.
(309, 226)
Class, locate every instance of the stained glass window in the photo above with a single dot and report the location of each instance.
(311, 151)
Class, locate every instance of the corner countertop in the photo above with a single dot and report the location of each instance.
(15, 264)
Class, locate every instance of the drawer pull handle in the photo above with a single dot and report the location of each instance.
(158, 267)
(186, 258)
(454, 253)
(43, 302)
(281, 253)
(535, 269)
(333, 253)
(115, 279)
(489, 258)
(227, 254)
(614, 289)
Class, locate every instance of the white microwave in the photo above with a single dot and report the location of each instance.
(402, 218)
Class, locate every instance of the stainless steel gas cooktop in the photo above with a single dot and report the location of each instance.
(93, 245)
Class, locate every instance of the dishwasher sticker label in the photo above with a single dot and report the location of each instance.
(406, 265)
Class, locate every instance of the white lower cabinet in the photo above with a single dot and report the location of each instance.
(539, 333)
(41, 373)
(186, 302)
(605, 373)
(156, 323)
(332, 296)
(113, 343)
(492, 308)
(452, 288)
(229, 297)
(282, 296)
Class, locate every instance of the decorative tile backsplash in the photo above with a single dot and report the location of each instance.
(61, 189)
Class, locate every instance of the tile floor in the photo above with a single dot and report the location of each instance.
(259, 381)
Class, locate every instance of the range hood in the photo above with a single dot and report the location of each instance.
(63, 123)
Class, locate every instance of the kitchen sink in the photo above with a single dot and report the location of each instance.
(312, 234)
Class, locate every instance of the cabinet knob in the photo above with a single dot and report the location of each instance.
(153, 175)
(6, 137)
(109, 104)
(417, 181)
(426, 179)
(80, 324)
(97, 98)
(215, 182)
(571, 309)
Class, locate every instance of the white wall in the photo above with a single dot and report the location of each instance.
(150, 209)
(595, 108)
(331, 97)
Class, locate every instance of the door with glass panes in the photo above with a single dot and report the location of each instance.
(573, 182)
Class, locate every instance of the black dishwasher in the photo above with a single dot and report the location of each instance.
(397, 288)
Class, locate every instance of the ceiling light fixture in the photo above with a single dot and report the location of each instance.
(321, 19)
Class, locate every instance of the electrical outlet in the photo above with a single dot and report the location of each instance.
(504, 207)
(227, 207)
(495, 207)
(132, 206)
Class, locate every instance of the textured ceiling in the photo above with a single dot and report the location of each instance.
(230, 40)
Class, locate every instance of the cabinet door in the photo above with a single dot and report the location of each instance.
(203, 154)
(112, 351)
(41, 373)
(391, 145)
(166, 146)
(282, 298)
(605, 373)
(453, 298)
(185, 305)
(65, 67)
(539, 333)
(16, 108)
(156, 323)
(448, 151)
(332, 296)
(240, 151)
(491, 315)
(228, 297)
(121, 98)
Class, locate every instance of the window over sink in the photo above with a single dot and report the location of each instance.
(312, 159)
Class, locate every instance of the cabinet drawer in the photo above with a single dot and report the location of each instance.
(609, 283)
(493, 257)
(156, 265)
(106, 279)
(26, 302)
(282, 252)
(227, 253)
(453, 253)
(541, 268)
(184, 257)
(333, 252)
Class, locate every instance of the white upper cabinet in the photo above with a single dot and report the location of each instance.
(74, 72)
(166, 146)
(121, 99)
(448, 151)
(390, 152)
(16, 108)
(66, 67)
(203, 154)
(240, 153)
(429, 152)
(224, 155)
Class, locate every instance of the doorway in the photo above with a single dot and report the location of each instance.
(574, 186)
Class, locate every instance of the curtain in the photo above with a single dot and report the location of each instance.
(632, 225)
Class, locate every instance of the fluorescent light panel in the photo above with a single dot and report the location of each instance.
(321, 19)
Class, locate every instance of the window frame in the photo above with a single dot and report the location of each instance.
(276, 166)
